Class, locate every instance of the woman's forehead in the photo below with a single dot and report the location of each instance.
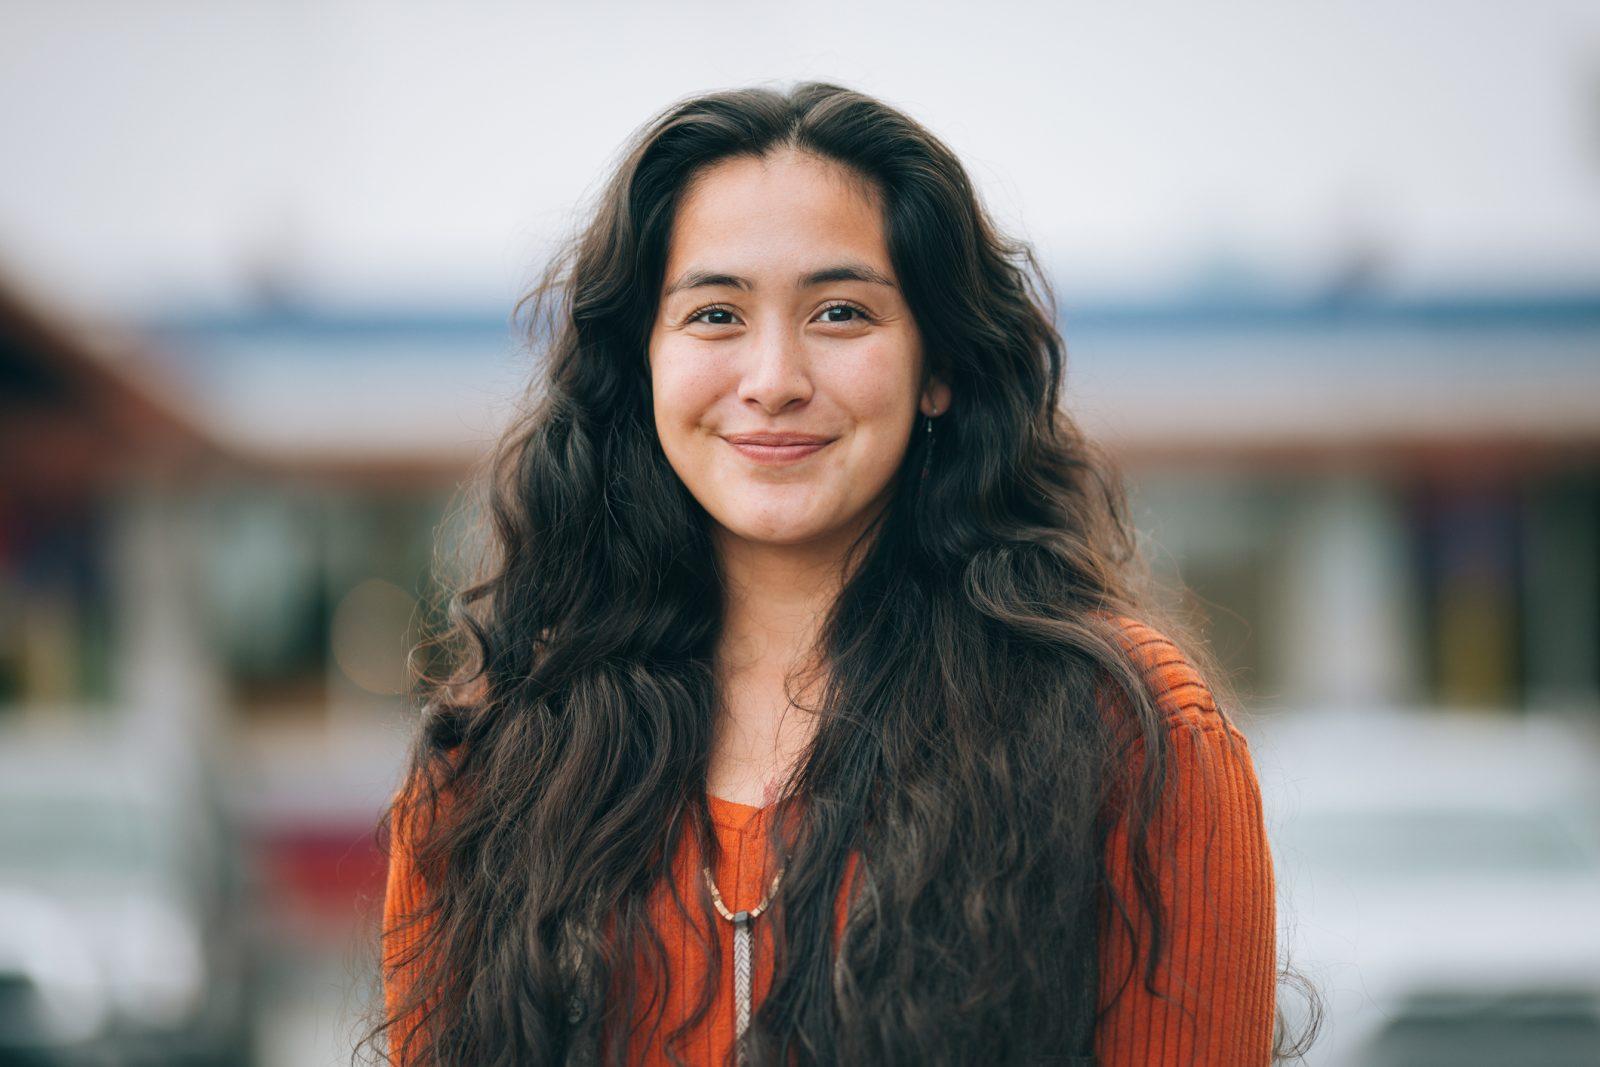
(776, 222)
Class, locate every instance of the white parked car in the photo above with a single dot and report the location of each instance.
(1439, 882)
(121, 934)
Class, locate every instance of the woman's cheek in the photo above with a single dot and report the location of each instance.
(680, 398)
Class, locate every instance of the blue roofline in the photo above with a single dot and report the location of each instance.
(290, 323)
(1181, 312)
(1342, 311)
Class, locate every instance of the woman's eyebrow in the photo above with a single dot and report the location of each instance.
(843, 272)
(847, 272)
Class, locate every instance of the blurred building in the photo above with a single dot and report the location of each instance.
(1375, 501)
(233, 521)
(242, 607)
(98, 473)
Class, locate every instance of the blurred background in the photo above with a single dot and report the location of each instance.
(1330, 284)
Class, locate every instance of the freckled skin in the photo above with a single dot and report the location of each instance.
(773, 357)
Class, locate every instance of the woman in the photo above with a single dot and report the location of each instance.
(809, 708)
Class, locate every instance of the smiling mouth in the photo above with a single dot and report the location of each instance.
(765, 453)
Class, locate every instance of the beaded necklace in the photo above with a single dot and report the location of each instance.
(741, 953)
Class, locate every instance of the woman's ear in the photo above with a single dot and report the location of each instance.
(935, 397)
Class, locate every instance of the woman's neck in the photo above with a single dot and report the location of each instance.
(777, 598)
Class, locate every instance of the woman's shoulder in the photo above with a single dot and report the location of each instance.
(1176, 684)
(424, 796)
(1209, 754)
(1213, 983)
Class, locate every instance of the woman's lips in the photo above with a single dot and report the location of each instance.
(775, 453)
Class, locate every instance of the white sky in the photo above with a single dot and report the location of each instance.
(413, 152)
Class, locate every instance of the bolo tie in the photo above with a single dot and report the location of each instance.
(741, 921)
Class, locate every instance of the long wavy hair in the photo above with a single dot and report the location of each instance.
(963, 745)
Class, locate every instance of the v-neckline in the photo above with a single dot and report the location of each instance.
(732, 815)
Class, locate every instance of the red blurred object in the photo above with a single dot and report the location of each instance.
(322, 870)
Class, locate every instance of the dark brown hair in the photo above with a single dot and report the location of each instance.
(958, 746)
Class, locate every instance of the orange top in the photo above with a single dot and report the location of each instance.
(744, 876)
(1219, 955)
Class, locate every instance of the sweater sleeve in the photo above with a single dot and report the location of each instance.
(1213, 872)
(402, 933)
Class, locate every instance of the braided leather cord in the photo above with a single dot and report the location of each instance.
(741, 980)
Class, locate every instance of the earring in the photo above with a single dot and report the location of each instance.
(927, 448)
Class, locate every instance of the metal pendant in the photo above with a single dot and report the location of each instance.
(741, 980)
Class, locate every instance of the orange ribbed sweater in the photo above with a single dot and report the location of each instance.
(1215, 876)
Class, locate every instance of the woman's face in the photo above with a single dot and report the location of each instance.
(785, 365)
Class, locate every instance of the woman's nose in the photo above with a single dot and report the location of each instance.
(776, 370)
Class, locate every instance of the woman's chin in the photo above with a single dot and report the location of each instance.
(790, 530)
(778, 536)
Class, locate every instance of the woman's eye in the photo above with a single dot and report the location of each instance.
(837, 314)
(700, 316)
(843, 313)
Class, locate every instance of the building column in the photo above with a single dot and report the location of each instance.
(1346, 599)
